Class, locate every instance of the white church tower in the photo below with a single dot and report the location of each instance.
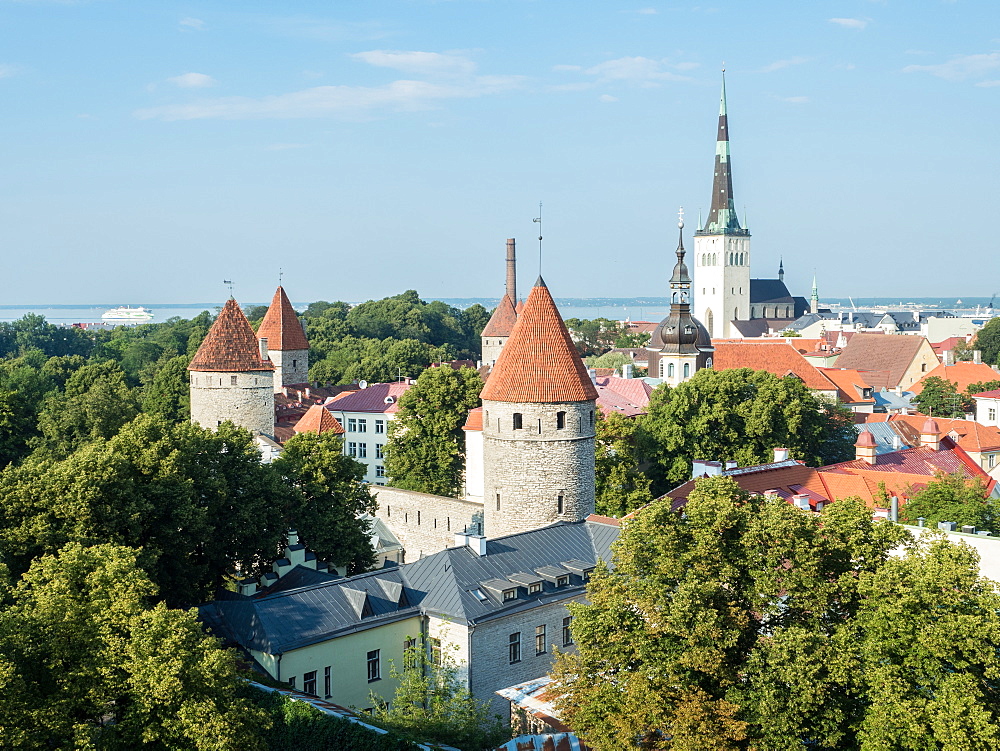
(722, 250)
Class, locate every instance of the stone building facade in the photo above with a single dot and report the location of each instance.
(539, 464)
(231, 378)
(284, 340)
(424, 523)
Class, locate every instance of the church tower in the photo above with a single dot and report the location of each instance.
(495, 334)
(722, 249)
(231, 378)
(538, 425)
(679, 346)
(284, 341)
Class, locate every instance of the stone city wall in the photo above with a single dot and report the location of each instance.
(425, 523)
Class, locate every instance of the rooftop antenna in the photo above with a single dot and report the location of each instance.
(229, 283)
(539, 220)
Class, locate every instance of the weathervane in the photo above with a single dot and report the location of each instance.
(280, 275)
(229, 282)
(539, 220)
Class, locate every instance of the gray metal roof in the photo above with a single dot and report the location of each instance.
(286, 617)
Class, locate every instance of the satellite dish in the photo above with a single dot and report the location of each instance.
(363, 384)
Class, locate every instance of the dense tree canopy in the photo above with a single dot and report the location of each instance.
(954, 498)
(746, 623)
(621, 485)
(597, 335)
(941, 398)
(741, 415)
(426, 449)
(987, 341)
(85, 662)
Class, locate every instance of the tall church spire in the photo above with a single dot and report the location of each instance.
(722, 219)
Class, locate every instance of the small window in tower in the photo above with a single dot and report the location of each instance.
(687, 369)
(591, 418)
(498, 501)
(295, 363)
(517, 421)
(560, 420)
(232, 380)
(670, 370)
(559, 502)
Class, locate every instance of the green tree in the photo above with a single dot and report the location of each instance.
(595, 335)
(988, 342)
(621, 485)
(940, 398)
(199, 504)
(426, 448)
(741, 415)
(333, 507)
(978, 388)
(954, 498)
(744, 623)
(96, 403)
(84, 662)
(433, 704)
(169, 393)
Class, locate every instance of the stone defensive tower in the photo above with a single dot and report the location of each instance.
(538, 425)
(231, 379)
(286, 343)
(495, 334)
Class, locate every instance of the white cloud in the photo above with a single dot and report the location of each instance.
(988, 84)
(641, 70)
(779, 64)
(192, 24)
(193, 81)
(345, 102)
(607, 98)
(960, 67)
(647, 11)
(419, 63)
(850, 23)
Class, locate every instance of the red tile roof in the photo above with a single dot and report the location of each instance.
(962, 374)
(989, 394)
(502, 320)
(947, 345)
(626, 396)
(894, 354)
(281, 325)
(865, 440)
(318, 419)
(371, 399)
(849, 385)
(971, 435)
(539, 364)
(776, 357)
(230, 344)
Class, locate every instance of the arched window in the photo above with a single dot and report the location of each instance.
(709, 323)
(517, 421)
(708, 363)
(670, 370)
(687, 370)
(736, 314)
(560, 420)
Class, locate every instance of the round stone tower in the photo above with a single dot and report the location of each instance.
(231, 378)
(287, 346)
(538, 425)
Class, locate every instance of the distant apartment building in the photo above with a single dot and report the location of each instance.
(365, 416)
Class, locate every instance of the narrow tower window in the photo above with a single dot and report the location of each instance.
(560, 420)
(559, 501)
(517, 421)
(498, 501)
(670, 370)
(687, 369)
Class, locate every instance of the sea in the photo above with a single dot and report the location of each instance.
(614, 308)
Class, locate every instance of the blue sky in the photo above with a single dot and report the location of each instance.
(153, 149)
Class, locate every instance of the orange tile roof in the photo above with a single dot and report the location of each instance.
(474, 420)
(971, 435)
(962, 374)
(539, 363)
(281, 325)
(775, 357)
(230, 344)
(849, 385)
(318, 419)
(502, 320)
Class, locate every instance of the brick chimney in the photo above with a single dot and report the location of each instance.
(864, 448)
(930, 434)
(780, 454)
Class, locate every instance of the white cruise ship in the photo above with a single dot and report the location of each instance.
(127, 313)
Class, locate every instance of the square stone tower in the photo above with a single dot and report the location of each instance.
(287, 346)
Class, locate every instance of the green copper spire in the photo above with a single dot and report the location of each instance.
(722, 219)
(814, 298)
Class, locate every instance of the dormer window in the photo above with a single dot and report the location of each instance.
(562, 581)
(509, 594)
(534, 589)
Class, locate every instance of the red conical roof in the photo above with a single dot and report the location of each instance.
(281, 325)
(318, 419)
(503, 319)
(865, 440)
(930, 426)
(230, 344)
(539, 363)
